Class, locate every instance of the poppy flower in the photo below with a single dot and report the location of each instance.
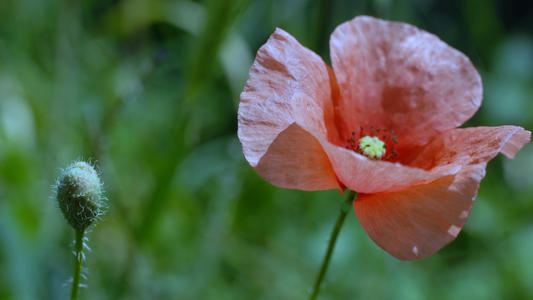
(380, 121)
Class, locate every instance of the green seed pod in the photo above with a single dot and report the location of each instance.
(79, 193)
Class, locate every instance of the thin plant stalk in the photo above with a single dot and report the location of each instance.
(345, 207)
(78, 258)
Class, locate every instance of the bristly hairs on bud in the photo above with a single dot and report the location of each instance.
(79, 192)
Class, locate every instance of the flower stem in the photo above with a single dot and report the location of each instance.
(78, 257)
(345, 207)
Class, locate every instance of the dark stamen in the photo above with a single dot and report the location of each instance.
(387, 137)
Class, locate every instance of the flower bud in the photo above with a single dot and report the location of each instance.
(79, 193)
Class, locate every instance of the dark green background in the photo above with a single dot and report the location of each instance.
(149, 89)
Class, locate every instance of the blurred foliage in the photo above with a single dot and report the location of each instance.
(149, 90)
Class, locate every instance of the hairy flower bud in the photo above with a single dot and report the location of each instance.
(79, 193)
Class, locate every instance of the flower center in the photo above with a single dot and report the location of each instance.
(372, 147)
(376, 143)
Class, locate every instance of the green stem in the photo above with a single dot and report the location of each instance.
(345, 207)
(78, 257)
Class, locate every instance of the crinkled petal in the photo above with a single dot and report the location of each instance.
(468, 146)
(287, 83)
(393, 75)
(515, 142)
(296, 160)
(365, 175)
(417, 222)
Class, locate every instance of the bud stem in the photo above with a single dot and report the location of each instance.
(78, 257)
(345, 207)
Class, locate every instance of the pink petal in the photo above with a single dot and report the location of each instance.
(461, 147)
(417, 222)
(515, 142)
(393, 75)
(287, 84)
(296, 160)
(364, 175)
